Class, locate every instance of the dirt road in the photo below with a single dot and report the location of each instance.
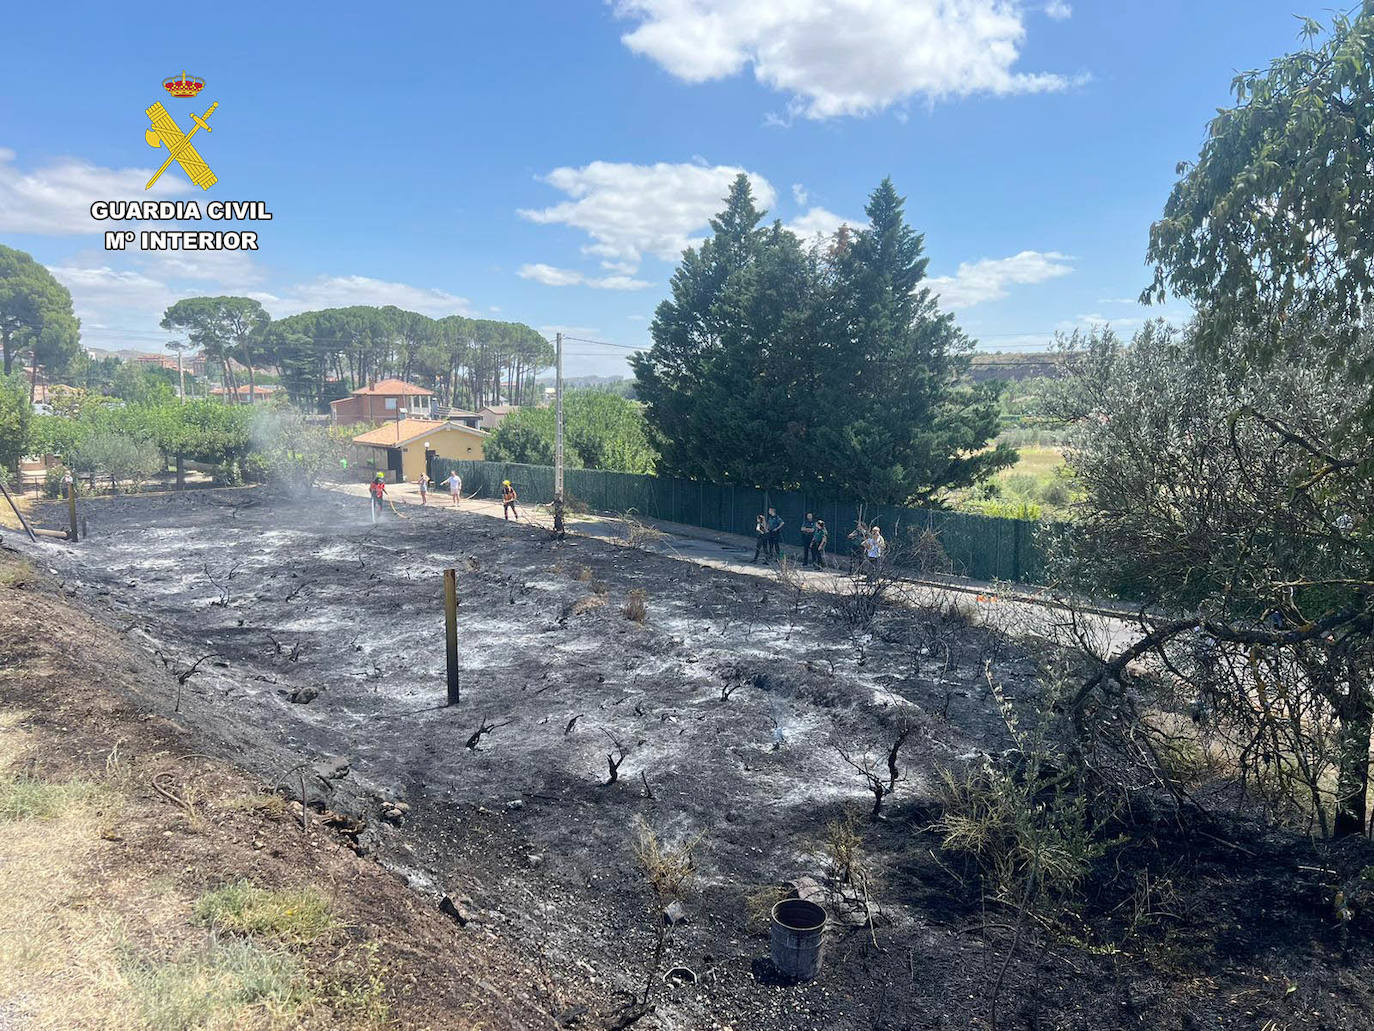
(1022, 609)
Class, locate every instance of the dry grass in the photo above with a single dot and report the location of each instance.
(26, 797)
(1041, 463)
(59, 952)
(635, 608)
(231, 983)
(587, 604)
(117, 951)
(15, 573)
(1187, 754)
(844, 849)
(640, 535)
(758, 906)
(25, 503)
(667, 868)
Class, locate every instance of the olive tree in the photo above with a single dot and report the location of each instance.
(1233, 502)
(298, 451)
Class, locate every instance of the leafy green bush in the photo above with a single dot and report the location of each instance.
(255, 468)
(54, 487)
(118, 456)
(600, 431)
(227, 474)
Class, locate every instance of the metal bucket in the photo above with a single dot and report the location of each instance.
(798, 936)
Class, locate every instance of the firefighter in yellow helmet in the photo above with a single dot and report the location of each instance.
(377, 490)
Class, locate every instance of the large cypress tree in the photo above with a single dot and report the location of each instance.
(896, 422)
(777, 366)
(688, 332)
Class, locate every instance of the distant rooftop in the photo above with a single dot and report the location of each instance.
(394, 387)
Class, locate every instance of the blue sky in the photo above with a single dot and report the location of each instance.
(544, 161)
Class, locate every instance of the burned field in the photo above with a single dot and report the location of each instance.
(307, 644)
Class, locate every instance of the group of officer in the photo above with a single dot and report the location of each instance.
(768, 538)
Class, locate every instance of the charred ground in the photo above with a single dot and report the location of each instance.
(319, 637)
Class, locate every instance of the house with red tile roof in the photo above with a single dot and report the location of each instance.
(383, 401)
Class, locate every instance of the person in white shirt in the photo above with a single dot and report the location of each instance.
(874, 548)
(455, 487)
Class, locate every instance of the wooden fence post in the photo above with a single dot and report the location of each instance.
(451, 632)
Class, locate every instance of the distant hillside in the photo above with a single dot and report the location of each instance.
(1017, 366)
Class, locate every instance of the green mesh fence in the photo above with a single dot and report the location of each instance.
(980, 547)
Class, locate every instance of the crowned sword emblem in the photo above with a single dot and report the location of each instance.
(166, 133)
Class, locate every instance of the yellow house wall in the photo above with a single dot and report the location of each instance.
(446, 444)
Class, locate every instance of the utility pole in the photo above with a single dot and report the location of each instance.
(178, 346)
(558, 438)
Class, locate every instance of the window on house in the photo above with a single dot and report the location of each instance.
(390, 404)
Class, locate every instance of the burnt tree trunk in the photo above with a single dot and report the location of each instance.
(1356, 719)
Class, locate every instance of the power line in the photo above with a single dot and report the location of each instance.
(607, 343)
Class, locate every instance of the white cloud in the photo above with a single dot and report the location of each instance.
(1090, 321)
(633, 210)
(575, 331)
(819, 220)
(95, 288)
(799, 193)
(988, 279)
(233, 271)
(842, 57)
(1058, 10)
(551, 276)
(342, 291)
(56, 200)
(120, 307)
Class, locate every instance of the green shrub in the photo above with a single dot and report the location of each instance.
(227, 474)
(1056, 493)
(53, 487)
(255, 468)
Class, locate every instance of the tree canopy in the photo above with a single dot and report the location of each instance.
(16, 414)
(1273, 225)
(324, 354)
(223, 328)
(35, 314)
(774, 365)
(601, 430)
